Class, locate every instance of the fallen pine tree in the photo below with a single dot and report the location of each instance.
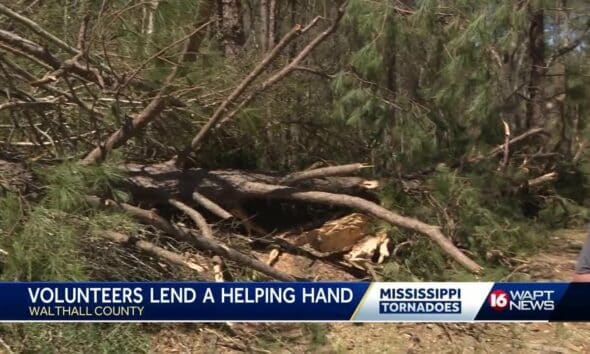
(175, 184)
(117, 106)
(227, 188)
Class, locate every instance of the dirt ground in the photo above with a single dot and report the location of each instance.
(555, 263)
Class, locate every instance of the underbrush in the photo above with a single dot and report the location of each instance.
(56, 239)
(496, 224)
(75, 338)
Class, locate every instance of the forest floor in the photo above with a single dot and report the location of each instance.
(555, 262)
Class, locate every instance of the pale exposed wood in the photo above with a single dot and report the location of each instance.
(197, 218)
(500, 148)
(211, 206)
(341, 170)
(546, 178)
(507, 135)
(220, 271)
(365, 206)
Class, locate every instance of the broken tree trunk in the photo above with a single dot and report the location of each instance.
(229, 187)
(160, 182)
(365, 206)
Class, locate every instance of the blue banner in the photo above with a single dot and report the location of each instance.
(179, 301)
(300, 301)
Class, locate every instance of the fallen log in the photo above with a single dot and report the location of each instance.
(160, 182)
(229, 187)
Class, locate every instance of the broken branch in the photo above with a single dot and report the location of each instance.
(340, 170)
(150, 248)
(197, 218)
(33, 26)
(500, 148)
(188, 235)
(546, 178)
(211, 206)
(218, 114)
(290, 193)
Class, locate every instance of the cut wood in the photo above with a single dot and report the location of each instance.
(365, 206)
(230, 186)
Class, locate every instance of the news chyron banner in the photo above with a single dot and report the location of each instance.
(300, 301)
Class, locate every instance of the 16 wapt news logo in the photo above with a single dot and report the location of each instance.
(522, 300)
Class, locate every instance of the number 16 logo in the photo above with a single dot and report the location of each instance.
(499, 300)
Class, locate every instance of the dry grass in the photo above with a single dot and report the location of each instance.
(555, 263)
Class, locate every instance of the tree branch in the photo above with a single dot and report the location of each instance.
(218, 114)
(365, 206)
(33, 26)
(197, 218)
(293, 65)
(211, 206)
(190, 236)
(150, 248)
(341, 170)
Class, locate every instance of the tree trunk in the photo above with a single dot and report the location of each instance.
(230, 187)
(206, 8)
(263, 25)
(272, 23)
(158, 183)
(232, 27)
(534, 112)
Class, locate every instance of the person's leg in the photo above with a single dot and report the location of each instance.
(583, 264)
(581, 278)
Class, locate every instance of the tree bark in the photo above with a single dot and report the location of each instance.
(232, 27)
(272, 23)
(264, 25)
(534, 112)
(152, 249)
(188, 235)
(206, 9)
(160, 182)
